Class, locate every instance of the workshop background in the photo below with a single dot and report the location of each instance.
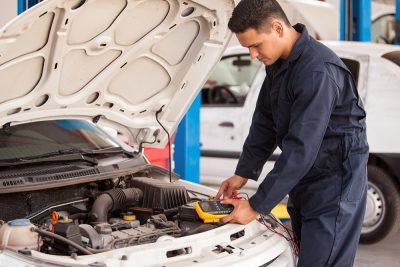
(189, 157)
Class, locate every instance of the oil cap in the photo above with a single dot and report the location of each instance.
(129, 216)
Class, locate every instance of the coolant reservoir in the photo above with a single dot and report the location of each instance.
(17, 235)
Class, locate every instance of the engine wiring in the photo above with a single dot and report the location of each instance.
(271, 223)
(289, 236)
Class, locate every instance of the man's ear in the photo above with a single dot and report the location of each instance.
(277, 27)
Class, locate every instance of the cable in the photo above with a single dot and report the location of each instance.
(62, 239)
(243, 195)
(169, 144)
(145, 142)
(290, 235)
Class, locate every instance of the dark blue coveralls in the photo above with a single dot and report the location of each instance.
(309, 107)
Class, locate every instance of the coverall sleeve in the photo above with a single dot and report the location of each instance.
(313, 101)
(257, 150)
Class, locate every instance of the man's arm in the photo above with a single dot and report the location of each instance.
(314, 101)
(261, 140)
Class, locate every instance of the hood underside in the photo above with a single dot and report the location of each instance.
(113, 61)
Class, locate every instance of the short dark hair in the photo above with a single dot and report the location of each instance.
(256, 14)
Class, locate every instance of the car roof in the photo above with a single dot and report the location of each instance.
(371, 49)
(381, 9)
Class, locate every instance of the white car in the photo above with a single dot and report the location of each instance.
(229, 98)
(72, 195)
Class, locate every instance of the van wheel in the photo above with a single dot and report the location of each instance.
(382, 215)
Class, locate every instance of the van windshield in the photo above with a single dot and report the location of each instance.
(37, 138)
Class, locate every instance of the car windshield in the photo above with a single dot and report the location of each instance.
(230, 82)
(38, 138)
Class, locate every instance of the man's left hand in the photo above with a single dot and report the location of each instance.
(243, 213)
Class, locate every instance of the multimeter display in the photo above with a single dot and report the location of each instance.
(212, 211)
(215, 207)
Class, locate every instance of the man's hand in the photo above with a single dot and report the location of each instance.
(230, 186)
(243, 212)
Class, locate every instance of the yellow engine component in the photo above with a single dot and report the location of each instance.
(280, 212)
(129, 217)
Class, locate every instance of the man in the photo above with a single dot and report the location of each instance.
(309, 107)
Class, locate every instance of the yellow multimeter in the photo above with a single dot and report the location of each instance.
(212, 211)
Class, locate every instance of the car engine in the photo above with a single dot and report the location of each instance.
(98, 216)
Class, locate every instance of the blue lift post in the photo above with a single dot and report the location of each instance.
(187, 144)
(355, 20)
(25, 4)
(397, 23)
(344, 20)
(362, 20)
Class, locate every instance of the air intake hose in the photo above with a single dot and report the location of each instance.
(111, 200)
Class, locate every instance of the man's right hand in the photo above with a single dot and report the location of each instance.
(230, 186)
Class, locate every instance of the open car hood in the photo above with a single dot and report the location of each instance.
(113, 61)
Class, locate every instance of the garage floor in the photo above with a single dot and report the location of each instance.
(385, 253)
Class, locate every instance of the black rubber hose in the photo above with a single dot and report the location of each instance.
(62, 239)
(111, 200)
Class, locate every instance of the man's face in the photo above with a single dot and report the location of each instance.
(266, 47)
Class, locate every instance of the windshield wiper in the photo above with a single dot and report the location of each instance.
(69, 154)
(109, 150)
(55, 156)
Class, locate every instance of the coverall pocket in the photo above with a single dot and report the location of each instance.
(329, 156)
(358, 177)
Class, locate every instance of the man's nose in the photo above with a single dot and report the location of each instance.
(253, 52)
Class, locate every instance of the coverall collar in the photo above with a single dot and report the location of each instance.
(297, 50)
(300, 43)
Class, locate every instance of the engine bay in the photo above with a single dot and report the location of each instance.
(99, 216)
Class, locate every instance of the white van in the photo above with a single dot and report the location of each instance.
(229, 99)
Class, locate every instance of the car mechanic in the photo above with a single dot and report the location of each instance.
(309, 107)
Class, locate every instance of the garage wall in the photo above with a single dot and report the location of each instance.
(8, 10)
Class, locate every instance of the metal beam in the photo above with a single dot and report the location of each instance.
(187, 144)
(346, 23)
(355, 20)
(362, 20)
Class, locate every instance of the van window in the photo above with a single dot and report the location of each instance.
(230, 82)
(353, 66)
(393, 56)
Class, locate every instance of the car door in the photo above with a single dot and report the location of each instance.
(227, 107)
(223, 102)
